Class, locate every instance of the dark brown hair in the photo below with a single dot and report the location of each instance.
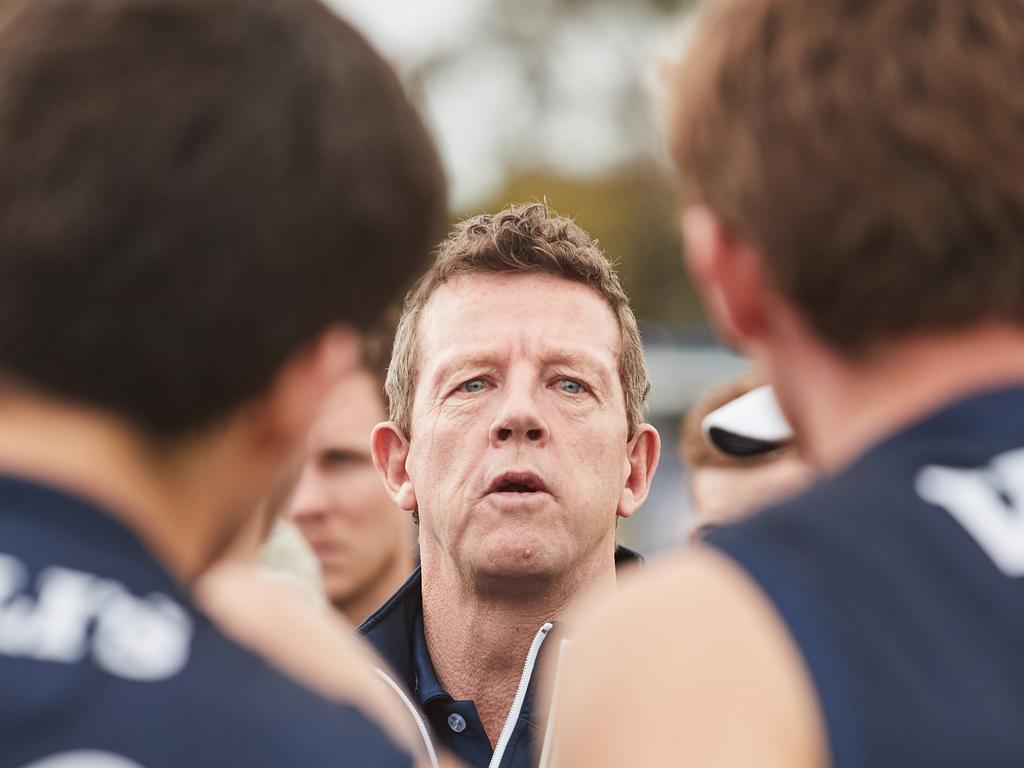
(870, 149)
(377, 347)
(191, 191)
(520, 238)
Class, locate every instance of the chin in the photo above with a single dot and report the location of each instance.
(340, 590)
(520, 561)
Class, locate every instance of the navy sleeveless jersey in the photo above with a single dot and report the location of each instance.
(901, 580)
(106, 663)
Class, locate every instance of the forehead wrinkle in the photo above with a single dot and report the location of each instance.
(579, 359)
(466, 289)
(546, 356)
(471, 359)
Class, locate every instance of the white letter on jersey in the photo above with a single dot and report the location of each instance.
(988, 503)
(84, 759)
(142, 638)
(138, 638)
(12, 577)
(53, 626)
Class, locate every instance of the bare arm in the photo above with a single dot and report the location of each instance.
(688, 665)
(317, 648)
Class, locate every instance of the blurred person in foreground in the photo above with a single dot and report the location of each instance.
(516, 393)
(267, 592)
(739, 454)
(853, 187)
(363, 541)
(201, 205)
(276, 550)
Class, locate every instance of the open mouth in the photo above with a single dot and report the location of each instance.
(518, 482)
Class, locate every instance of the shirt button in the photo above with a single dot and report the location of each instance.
(457, 723)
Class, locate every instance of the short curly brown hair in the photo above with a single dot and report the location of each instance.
(520, 238)
(870, 150)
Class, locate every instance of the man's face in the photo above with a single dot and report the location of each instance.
(518, 453)
(723, 495)
(338, 503)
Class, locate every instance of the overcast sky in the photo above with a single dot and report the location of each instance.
(479, 105)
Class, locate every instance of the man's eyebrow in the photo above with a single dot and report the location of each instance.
(578, 360)
(586, 364)
(470, 360)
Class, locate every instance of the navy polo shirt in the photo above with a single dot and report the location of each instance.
(457, 723)
(106, 662)
(396, 632)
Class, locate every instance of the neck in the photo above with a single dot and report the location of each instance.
(161, 495)
(840, 408)
(358, 607)
(479, 637)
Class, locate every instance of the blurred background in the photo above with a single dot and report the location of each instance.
(558, 101)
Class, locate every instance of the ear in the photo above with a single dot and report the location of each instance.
(641, 461)
(293, 399)
(390, 449)
(729, 275)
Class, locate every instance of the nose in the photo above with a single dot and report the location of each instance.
(519, 418)
(309, 499)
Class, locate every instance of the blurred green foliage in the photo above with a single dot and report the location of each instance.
(664, 6)
(629, 206)
(631, 211)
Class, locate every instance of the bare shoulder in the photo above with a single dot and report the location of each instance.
(315, 647)
(688, 663)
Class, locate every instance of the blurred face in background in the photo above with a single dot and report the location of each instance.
(726, 486)
(722, 494)
(362, 540)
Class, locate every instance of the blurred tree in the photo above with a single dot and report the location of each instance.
(556, 100)
(662, 6)
(559, 61)
(631, 212)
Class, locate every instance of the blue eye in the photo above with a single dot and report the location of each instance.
(473, 385)
(571, 387)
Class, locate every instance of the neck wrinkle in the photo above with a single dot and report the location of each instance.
(478, 639)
